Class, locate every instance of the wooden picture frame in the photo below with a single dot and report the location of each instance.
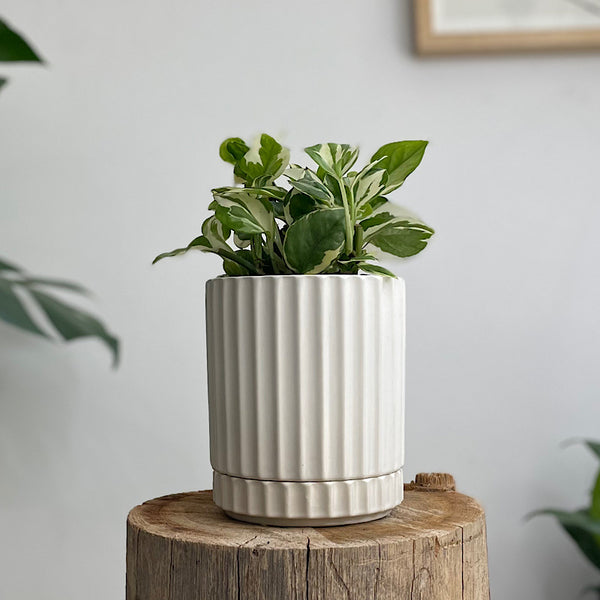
(428, 41)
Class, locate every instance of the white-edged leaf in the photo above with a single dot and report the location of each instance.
(243, 212)
(396, 231)
(368, 184)
(297, 204)
(294, 171)
(335, 159)
(311, 185)
(376, 270)
(264, 162)
(269, 191)
(215, 234)
(315, 240)
(241, 243)
(388, 214)
(213, 239)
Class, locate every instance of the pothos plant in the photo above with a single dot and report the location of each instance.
(583, 525)
(328, 219)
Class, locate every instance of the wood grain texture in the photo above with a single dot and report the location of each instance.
(432, 547)
(429, 42)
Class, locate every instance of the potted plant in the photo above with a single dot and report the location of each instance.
(583, 525)
(305, 354)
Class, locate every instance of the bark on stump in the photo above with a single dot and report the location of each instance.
(431, 547)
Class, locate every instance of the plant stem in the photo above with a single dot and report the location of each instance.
(272, 256)
(232, 256)
(349, 220)
(358, 239)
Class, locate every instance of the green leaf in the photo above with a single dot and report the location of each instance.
(582, 528)
(264, 162)
(73, 323)
(238, 219)
(335, 159)
(242, 240)
(6, 266)
(391, 215)
(314, 241)
(593, 446)
(400, 159)
(269, 191)
(311, 185)
(377, 202)
(12, 310)
(396, 231)
(3, 82)
(243, 213)
(297, 205)
(595, 506)
(14, 48)
(376, 270)
(401, 240)
(199, 243)
(56, 283)
(213, 239)
(368, 185)
(357, 259)
(369, 207)
(235, 269)
(232, 149)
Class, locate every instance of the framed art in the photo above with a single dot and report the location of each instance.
(475, 26)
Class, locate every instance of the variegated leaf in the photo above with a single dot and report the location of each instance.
(213, 239)
(243, 212)
(241, 242)
(264, 162)
(391, 215)
(396, 231)
(294, 171)
(310, 184)
(375, 269)
(315, 240)
(297, 204)
(270, 191)
(368, 184)
(335, 159)
(215, 234)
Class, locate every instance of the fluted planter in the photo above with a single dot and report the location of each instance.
(306, 397)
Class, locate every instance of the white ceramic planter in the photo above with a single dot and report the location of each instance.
(306, 397)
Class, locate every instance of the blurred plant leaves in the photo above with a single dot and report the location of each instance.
(14, 48)
(19, 293)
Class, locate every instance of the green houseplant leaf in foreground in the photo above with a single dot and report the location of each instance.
(19, 293)
(329, 219)
(14, 48)
(583, 525)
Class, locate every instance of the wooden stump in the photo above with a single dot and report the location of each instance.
(432, 547)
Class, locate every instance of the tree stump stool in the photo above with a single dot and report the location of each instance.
(431, 547)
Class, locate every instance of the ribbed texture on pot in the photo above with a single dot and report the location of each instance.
(308, 500)
(306, 376)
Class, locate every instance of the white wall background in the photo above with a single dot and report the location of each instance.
(107, 158)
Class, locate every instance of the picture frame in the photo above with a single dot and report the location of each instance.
(489, 26)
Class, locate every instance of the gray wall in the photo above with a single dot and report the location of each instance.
(107, 158)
